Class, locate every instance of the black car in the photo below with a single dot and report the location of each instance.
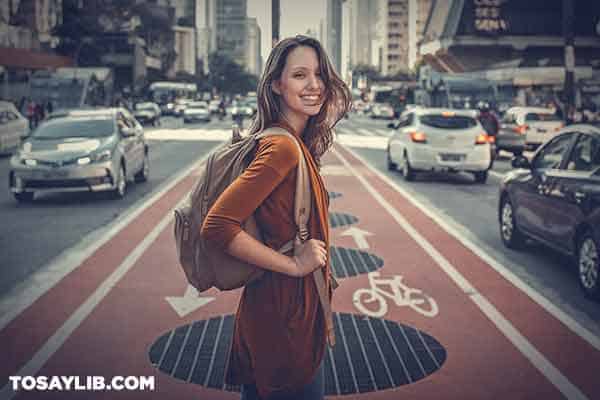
(555, 199)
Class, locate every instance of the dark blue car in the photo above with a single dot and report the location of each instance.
(555, 199)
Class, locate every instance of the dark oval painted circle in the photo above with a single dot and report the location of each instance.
(371, 354)
(341, 219)
(346, 262)
(334, 195)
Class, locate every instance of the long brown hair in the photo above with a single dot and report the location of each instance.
(317, 135)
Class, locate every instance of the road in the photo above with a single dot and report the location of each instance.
(34, 234)
(504, 322)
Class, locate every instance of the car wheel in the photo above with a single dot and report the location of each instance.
(144, 172)
(588, 265)
(121, 184)
(392, 166)
(407, 170)
(509, 232)
(24, 197)
(481, 176)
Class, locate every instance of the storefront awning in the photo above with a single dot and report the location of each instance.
(29, 59)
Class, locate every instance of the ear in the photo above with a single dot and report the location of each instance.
(276, 86)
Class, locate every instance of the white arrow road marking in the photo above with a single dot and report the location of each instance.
(359, 236)
(189, 303)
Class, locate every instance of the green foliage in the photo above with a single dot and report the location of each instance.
(229, 77)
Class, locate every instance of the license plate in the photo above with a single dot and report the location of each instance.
(56, 174)
(542, 130)
(451, 157)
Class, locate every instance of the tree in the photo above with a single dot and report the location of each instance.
(229, 77)
(369, 71)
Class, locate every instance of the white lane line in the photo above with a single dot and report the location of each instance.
(543, 365)
(365, 132)
(439, 218)
(84, 310)
(26, 293)
(382, 132)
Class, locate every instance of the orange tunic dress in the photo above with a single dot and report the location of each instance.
(279, 336)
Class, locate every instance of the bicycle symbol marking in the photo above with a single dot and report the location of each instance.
(399, 293)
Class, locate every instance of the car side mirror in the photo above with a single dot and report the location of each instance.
(520, 162)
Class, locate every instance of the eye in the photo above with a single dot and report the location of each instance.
(299, 75)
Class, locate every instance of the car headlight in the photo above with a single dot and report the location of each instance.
(101, 156)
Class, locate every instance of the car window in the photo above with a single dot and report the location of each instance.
(75, 127)
(551, 155)
(585, 155)
(3, 117)
(448, 122)
(531, 117)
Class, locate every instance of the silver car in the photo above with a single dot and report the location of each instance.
(82, 150)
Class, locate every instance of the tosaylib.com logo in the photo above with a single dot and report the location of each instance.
(81, 383)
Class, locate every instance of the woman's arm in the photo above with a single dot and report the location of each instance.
(309, 256)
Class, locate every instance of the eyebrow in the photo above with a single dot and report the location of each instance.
(298, 68)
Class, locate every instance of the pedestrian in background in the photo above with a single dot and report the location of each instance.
(280, 333)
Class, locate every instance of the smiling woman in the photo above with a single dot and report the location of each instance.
(300, 92)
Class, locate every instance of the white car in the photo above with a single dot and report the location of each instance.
(537, 124)
(13, 127)
(147, 113)
(196, 111)
(382, 111)
(437, 139)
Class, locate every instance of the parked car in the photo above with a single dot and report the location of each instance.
(524, 128)
(179, 106)
(437, 139)
(13, 127)
(555, 199)
(384, 111)
(196, 111)
(99, 150)
(213, 106)
(147, 113)
(240, 109)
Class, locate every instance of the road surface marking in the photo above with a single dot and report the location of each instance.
(543, 302)
(543, 365)
(401, 295)
(84, 310)
(26, 293)
(359, 236)
(365, 132)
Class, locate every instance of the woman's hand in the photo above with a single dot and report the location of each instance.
(309, 256)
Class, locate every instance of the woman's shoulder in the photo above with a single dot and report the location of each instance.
(281, 151)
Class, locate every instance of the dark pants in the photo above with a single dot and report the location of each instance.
(314, 390)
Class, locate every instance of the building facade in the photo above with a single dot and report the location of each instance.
(232, 33)
(185, 47)
(518, 45)
(418, 14)
(253, 57)
(332, 32)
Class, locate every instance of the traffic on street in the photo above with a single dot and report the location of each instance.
(357, 199)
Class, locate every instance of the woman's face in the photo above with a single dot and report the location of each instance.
(300, 86)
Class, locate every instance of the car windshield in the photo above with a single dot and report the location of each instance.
(448, 122)
(144, 106)
(91, 127)
(197, 106)
(541, 117)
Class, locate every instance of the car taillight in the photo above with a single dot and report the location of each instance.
(521, 129)
(483, 138)
(418, 137)
(558, 128)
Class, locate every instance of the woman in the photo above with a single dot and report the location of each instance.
(279, 337)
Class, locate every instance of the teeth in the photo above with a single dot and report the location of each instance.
(313, 98)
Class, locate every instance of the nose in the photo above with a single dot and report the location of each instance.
(314, 82)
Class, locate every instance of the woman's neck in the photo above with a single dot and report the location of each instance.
(296, 122)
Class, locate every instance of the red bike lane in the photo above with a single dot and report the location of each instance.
(454, 328)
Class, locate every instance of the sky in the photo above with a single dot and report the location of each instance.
(296, 17)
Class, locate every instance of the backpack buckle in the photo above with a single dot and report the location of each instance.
(302, 234)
